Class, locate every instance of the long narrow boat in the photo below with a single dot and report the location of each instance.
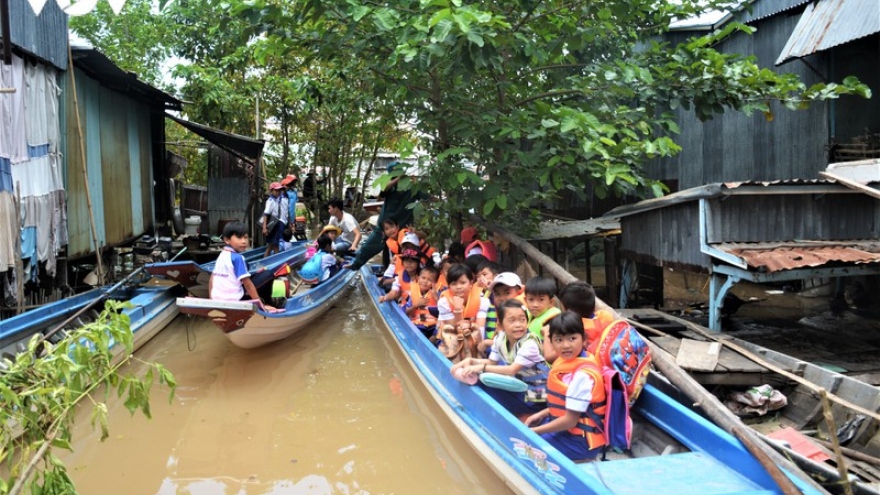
(195, 276)
(247, 326)
(153, 307)
(675, 451)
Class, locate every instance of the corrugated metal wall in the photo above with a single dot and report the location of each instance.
(671, 235)
(773, 218)
(734, 147)
(664, 235)
(119, 164)
(43, 35)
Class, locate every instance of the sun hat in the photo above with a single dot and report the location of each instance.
(411, 238)
(275, 185)
(468, 235)
(509, 279)
(287, 180)
(331, 227)
(410, 253)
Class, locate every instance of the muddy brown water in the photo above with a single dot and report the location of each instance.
(331, 410)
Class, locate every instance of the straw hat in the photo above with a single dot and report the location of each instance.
(328, 228)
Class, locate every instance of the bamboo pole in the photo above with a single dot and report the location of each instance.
(855, 454)
(721, 416)
(835, 444)
(85, 174)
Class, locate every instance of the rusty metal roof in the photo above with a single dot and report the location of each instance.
(829, 23)
(775, 257)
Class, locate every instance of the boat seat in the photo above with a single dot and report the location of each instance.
(687, 473)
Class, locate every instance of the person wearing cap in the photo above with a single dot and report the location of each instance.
(351, 232)
(504, 286)
(274, 218)
(289, 182)
(411, 261)
(395, 207)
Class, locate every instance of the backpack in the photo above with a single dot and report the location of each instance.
(617, 423)
(310, 272)
(458, 344)
(621, 348)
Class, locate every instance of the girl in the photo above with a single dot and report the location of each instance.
(515, 352)
(400, 288)
(461, 314)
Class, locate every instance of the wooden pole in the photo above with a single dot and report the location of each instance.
(19, 264)
(835, 444)
(721, 416)
(85, 174)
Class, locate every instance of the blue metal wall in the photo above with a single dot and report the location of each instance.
(119, 163)
(44, 36)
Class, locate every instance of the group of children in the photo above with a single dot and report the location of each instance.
(486, 320)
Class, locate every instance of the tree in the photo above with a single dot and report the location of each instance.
(539, 96)
(41, 388)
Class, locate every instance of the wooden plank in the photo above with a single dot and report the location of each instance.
(698, 356)
(870, 191)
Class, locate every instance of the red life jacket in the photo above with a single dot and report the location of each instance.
(487, 247)
(591, 422)
(406, 282)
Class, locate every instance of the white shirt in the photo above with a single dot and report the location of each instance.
(348, 225)
(580, 391)
(445, 311)
(528, 355)
(277, 207)
(229, 270)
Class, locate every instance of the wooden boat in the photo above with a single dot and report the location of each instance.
(247, 326)
(195, 276)
(792, 430)
(153, 308)
(675, 451)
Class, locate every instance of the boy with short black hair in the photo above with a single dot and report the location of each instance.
(581, 298)
(421, 305)
(231, 280)
(541, 301)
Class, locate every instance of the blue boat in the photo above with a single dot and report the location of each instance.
(247, 325)
(153, 307)
(195, 276)
(675, 451)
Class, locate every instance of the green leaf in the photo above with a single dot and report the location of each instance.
(488, 207)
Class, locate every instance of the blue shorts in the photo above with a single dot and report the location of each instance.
(572, 446)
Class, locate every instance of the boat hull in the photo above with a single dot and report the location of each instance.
(247, 326)
(716, 463)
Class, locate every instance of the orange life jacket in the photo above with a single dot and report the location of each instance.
(471, 306)
(592, 420)
(406, 282)
(422, 315)
(593, 328)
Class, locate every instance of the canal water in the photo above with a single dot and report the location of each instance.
(333, 409)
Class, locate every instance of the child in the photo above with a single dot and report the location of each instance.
(231, 280)
(461, 314)
(332, 231)
(442, 284)
(403, 281)
(486, 272)
(581, 298)
(421, 305)
(515, 352)
(408, 241)
(286, 238)
(274, 218)
(322, 265)
(540, 294)
(329, 262)
(575, 394)
(504, 286)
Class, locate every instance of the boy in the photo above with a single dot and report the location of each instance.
(581, 298)
(351, 232)
(274, 218)
(421, 305)
(231, 280)
(575, 394)
(540, 294)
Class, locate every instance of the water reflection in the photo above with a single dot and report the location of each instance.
(326, 411)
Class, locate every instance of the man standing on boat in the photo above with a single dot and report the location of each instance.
(351, 231)
(396, 207)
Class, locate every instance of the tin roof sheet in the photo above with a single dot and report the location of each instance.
(829, 23)
(575, 229)
(775, 257)
(747, 11)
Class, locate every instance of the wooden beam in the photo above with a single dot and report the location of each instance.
(870, 191)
